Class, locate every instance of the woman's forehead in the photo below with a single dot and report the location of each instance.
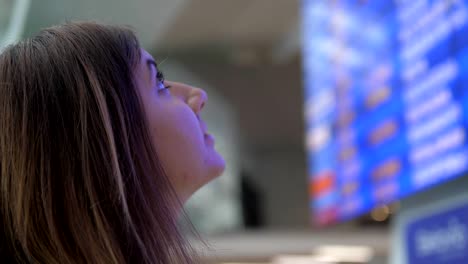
(145, 55)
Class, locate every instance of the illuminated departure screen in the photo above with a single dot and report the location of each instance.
(385, 100)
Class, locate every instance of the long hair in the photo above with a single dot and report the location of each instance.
(80, 181)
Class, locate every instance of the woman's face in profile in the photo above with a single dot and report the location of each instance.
(180, 136)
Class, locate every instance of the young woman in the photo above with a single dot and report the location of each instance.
(97, 151)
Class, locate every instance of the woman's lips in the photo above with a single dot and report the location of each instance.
(209, 139)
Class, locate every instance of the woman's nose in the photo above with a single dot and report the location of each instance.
(194, 97)
(197, 99)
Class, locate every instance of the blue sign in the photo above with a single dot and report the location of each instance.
(386, 100)
(439, 239)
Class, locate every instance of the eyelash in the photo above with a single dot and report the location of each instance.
(160, 78)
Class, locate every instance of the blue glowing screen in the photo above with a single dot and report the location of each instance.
(386, 105)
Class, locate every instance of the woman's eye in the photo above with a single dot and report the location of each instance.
(160, 80)
(160, 76)
(162, 86)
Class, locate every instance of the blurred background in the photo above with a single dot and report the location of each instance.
(342, 122)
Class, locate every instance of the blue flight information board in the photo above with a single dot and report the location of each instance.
(386, 105)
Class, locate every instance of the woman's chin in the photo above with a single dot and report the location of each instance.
(216, 169)
(217, 166)
(214, 163)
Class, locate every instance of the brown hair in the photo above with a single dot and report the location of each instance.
(79, 181)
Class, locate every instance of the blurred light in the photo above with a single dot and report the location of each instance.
(296, 259)
(341, 253)
(17, 13)
(380, 214)
(242, 263)
(342, 20)
(321, 105)
(316, 11)
(318, 138)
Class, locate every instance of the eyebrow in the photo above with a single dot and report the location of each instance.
(150, 62)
